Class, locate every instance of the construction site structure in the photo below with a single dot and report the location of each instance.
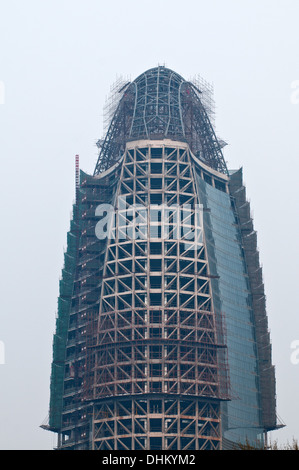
(161, 338)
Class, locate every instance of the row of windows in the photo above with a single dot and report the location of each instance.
(155, 299)
(211, 180)
(145, 247)
(155, 282)
(140, 265)
(153, 425)
(155, 152)
(158, 443)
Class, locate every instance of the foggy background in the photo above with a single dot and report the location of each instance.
(58, 60)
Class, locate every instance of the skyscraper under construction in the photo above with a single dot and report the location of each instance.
(161, 335)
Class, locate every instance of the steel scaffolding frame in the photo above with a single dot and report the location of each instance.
(161, 104)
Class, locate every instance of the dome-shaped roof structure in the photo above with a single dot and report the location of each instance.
(160, 104)
(157, 110)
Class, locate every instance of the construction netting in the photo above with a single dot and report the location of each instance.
(62, 323)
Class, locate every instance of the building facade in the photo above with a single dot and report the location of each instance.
(161, 337)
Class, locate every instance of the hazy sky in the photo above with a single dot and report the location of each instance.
(58, 60)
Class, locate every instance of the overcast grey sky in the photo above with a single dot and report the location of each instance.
(58, 60)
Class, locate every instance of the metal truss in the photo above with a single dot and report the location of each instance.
(159, 422)
(161, 104)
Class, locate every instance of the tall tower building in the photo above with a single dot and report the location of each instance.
(161, 337)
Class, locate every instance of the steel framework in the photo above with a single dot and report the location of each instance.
(144, 328)
(161, 104)
(139, 353)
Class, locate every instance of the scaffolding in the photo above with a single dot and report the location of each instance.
(62, 325)
(113, 100)
(206, 89)
(160, 104)
(258, 298)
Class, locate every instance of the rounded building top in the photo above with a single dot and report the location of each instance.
(157, 107)
(160, 104)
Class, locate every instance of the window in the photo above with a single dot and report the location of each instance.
(207, 178)
(155, 265)
(156, 152)
(156, 168)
